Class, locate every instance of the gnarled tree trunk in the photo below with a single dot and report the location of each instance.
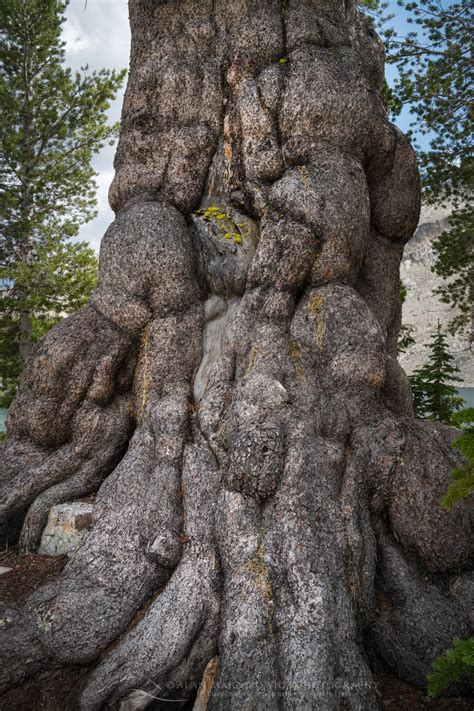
(232, 390)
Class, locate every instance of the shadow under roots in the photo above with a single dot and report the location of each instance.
(60, 690)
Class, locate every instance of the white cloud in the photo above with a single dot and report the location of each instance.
(76, 41)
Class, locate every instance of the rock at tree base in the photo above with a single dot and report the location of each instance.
(67, 526)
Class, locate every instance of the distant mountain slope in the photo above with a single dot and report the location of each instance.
(422, 309)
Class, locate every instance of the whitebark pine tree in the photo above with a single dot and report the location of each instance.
(232, 391)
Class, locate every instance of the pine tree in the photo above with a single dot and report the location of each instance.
(418, 384)
(456, 664)
(434, 80)
(463, 476)
(435, 77)
(52, 122)
(434, 395)
(455, 263)
(405, 338)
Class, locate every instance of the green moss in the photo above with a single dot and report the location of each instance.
(457, 663)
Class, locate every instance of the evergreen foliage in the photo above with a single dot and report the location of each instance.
(456, 664)
(463, 476)
(52, 122)
(435, 78)
(434, 395)
(405, 338)
(455, 263)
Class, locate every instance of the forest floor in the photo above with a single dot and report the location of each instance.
(58, 690)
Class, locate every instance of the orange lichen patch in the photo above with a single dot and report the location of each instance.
(228, 151)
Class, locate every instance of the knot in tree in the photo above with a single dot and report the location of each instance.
(232, 391)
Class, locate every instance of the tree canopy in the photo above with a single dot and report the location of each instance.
(53, 120)
(435, 78)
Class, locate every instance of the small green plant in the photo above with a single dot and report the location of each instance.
(216, 214)
(455, 664)
(463, 476)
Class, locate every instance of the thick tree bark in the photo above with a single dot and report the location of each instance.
(234, 386)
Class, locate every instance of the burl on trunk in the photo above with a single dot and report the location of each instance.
(232, 391)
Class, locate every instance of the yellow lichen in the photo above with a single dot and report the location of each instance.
(224, 220)
(303, 171)
(316, 309)
(295, 351)
(252, 360)
(259, 575)
(222, 433)
(144, 367)
(352, 577)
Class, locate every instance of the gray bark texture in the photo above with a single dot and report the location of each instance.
(232, 392)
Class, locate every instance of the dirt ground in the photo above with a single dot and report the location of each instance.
(58, 690)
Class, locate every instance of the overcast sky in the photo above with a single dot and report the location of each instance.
(97, 33)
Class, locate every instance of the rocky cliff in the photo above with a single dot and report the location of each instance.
(422, 308)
